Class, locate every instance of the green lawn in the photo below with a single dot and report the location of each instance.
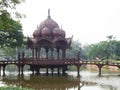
(13, 88)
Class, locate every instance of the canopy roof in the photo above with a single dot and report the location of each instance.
(49, 30)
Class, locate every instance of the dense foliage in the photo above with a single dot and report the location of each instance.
(10, 32)
(104, 50)
(72, 53)
(13, 88)
(109, 49)
(10, 29)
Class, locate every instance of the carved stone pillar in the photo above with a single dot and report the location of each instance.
(58, 54)
(58, 70)
(52, 49)
(39, 53)
(33, 53)
(47, 53)
(63, 54)
(52, 70)
(78, 69)
(22, 69)
(4, 70)
(99, 67)
(19, 69)
(46, 71)
(63, 70)
(36, 52)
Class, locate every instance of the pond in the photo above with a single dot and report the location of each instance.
(87, 81)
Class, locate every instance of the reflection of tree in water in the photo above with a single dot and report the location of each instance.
(39, 82)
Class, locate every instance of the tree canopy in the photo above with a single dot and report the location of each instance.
(10, 29)
(104, 50)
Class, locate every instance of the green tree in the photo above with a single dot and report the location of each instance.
(11, 35)
(10, 31)
(9, 6)
(109, 49)
(84, 52)
(72, 53)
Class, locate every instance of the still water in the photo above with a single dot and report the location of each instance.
(87, 81)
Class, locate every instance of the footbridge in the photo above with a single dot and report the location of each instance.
(62, 64)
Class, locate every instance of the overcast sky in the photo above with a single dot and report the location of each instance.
(89, 21)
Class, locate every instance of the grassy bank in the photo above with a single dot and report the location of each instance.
(84, 67)
(74, 68)
(13, 88)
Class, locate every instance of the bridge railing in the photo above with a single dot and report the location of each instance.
(66, 61)
(10, 62)
(50, 61)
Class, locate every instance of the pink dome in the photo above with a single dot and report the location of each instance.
(49, 23)
(45, 32)
(56, 32)
(36, 34)
(49, 28)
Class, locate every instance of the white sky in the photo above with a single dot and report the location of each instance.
(89, 21)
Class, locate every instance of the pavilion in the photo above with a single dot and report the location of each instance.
(49, 36)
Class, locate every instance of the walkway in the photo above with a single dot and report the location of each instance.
(36, 64)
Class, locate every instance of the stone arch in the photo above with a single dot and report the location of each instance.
(61, 43)
(44, 43)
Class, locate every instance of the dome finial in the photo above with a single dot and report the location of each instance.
(48, 13)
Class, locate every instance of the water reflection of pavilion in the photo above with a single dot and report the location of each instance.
(39, 82)
(42, 82)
